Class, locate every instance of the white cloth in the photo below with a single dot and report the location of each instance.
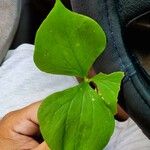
(128, 136)
(21, 83)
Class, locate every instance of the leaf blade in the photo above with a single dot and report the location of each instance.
(84, 122)
(68, 43)
(108, 88)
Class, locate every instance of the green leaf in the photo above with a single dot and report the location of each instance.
(108, 87)
(68, 43)
(76, 119)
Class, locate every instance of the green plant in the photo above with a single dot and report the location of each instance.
(81, 117)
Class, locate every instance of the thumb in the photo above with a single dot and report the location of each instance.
(42, 146)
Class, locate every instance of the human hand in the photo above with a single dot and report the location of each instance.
(18, 130)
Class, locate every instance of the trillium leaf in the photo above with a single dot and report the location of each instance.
(108, 87)
(68, 43)
(76, 119)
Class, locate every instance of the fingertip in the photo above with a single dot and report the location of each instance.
(31, 112)
(42, 146)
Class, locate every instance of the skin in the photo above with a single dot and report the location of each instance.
(18, 129)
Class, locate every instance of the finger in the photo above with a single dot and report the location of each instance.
(27, 143)
(28, 122)
(31, 112)
(42, 146)
(91, 73)
(121, 114)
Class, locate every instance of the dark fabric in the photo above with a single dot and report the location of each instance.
(113, 15)
(29, 23)
(32, 14)
(129, 9)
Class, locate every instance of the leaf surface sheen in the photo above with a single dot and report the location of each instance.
(108, 88)
(68, 43)
(76, 119)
